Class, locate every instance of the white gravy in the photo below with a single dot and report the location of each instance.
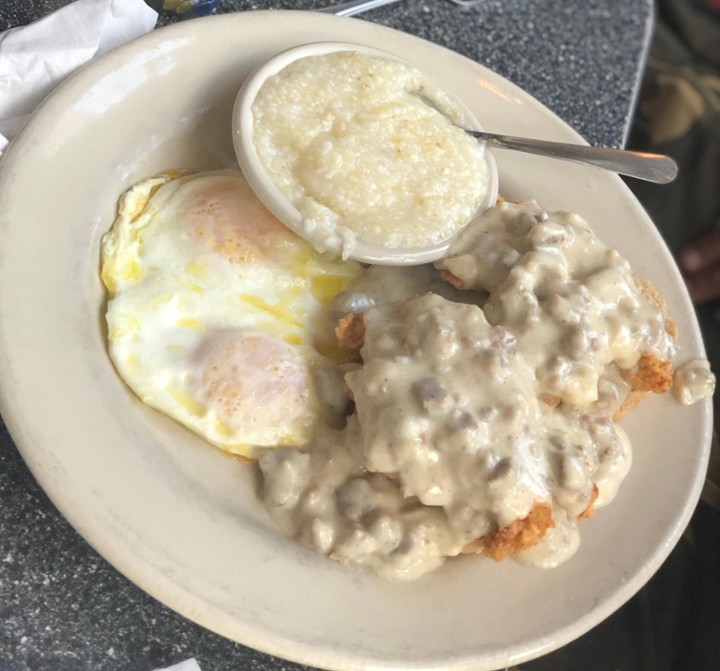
(693, 381)
(453, 434)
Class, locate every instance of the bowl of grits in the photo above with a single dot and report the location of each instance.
(361, 154)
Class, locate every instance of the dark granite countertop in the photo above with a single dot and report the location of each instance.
(62, 607)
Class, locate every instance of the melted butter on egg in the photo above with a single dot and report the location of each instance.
(217, 313)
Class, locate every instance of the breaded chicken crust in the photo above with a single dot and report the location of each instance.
(648, 290)
(652, 374)
(632, 400)
(448, 277)
(590, 510)
(516, 536)
(350, 332)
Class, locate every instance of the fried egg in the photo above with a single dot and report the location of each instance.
(217, 314)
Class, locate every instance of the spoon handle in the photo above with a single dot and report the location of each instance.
(354, 7)
(650, 167)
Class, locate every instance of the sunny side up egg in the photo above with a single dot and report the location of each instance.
(218, 314)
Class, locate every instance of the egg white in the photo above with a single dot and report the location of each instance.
(217, 314)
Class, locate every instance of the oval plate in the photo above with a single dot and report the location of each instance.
(184, 522)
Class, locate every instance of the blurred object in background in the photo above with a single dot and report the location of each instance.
(190, 8)
(697, 24)
(678, 114)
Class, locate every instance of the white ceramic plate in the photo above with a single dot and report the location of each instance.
(181, 520)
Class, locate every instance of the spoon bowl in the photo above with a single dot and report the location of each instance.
(282, 207)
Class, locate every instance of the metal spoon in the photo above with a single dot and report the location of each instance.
(650, 167)
(354, 7)
(358, 6)
(655, 168)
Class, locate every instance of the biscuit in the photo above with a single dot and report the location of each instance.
(516, 536)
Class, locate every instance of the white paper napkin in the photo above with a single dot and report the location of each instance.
(36, 58)
(189, 665)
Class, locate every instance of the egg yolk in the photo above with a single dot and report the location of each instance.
(256, 383)
(230, 220)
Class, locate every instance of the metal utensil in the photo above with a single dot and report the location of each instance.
(354, 7)
(357, 6)
(650, 167)
(641, 165)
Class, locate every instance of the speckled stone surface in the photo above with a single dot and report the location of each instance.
(62, 607)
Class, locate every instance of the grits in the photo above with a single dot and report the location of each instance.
(347, 140)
